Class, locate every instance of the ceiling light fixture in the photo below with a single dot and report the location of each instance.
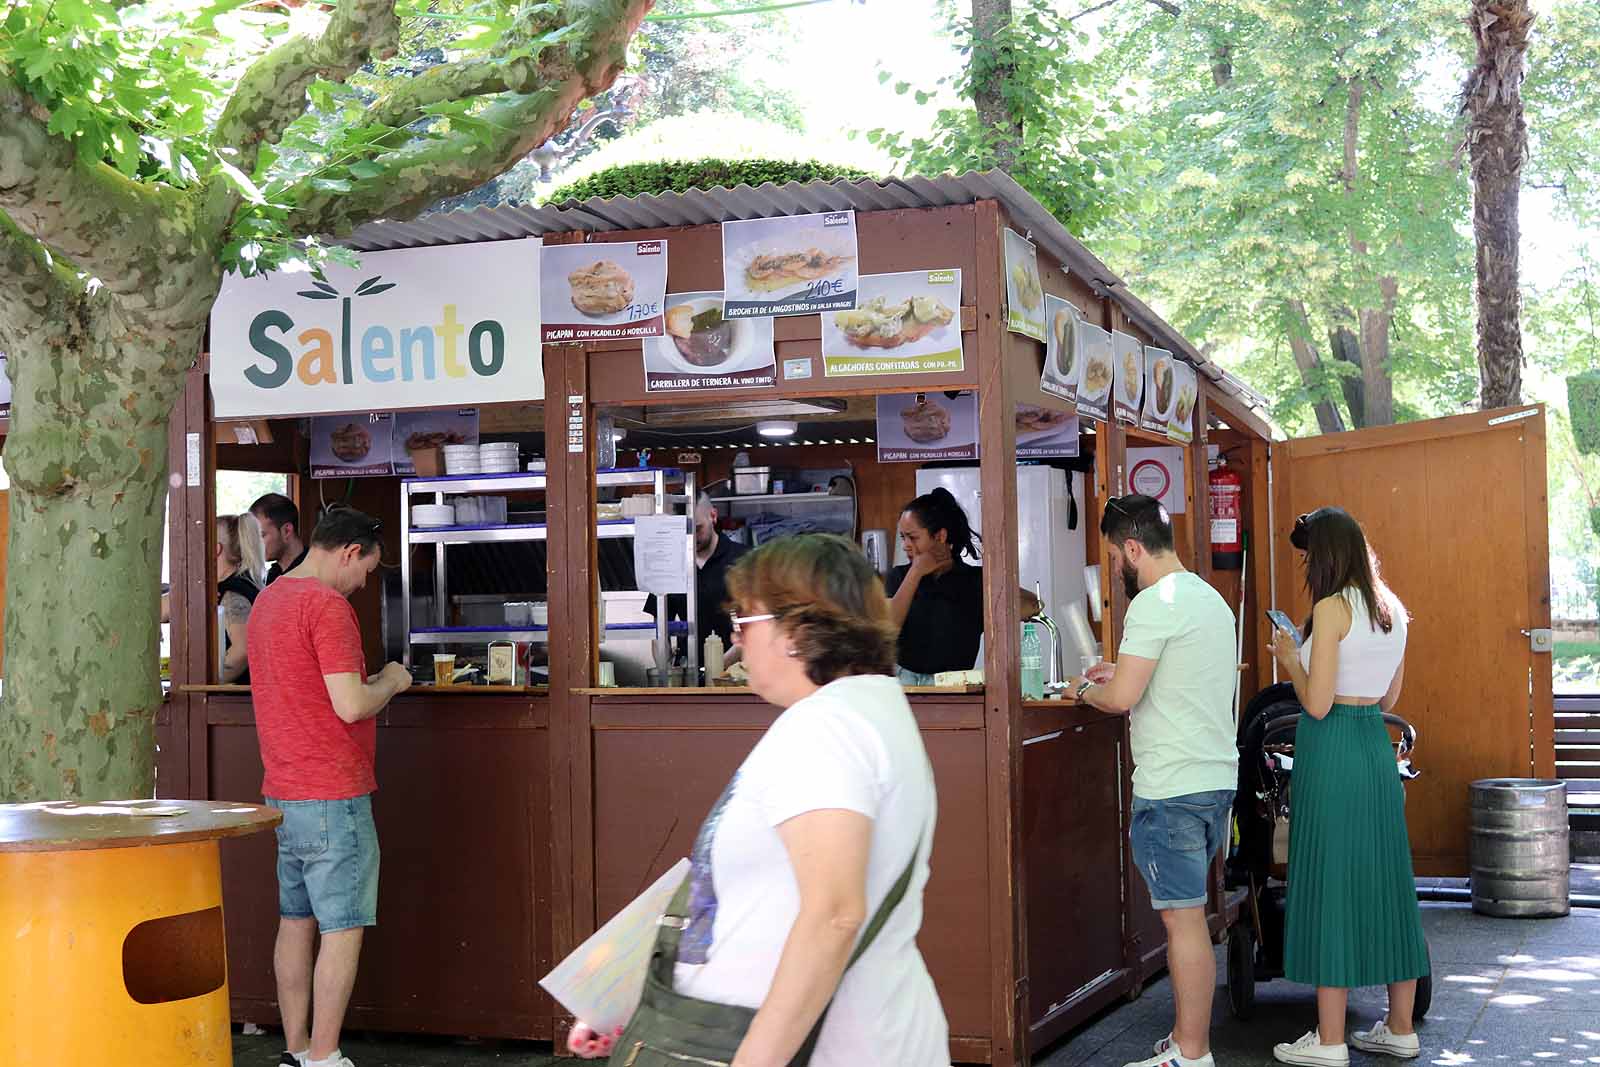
(777, 427)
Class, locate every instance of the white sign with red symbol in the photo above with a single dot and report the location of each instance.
(1158, 472)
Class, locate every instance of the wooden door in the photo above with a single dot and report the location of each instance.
(1456, 510)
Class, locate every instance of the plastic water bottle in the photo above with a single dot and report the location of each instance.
(1032, 661)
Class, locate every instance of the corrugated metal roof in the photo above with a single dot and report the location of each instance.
(701, 207)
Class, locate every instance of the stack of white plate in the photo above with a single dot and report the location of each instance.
(499, 457)
(536, 465)
(462, 459)
(433, 515)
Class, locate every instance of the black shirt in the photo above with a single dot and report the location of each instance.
(237, 583)
(277, 571)
(710, 591)
(945, 623)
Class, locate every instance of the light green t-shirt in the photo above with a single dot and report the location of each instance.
(1182, 728)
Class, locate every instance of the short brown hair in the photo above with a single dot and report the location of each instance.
(828, 599)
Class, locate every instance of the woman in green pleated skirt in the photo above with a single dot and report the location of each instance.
(1352, 915)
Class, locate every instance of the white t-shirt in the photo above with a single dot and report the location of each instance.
(853, 744)
(1182, 728)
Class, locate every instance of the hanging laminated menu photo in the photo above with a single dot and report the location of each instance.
(921, 427)
(1046, 433)
(352, 446)
(1062, 366)
(1185, 387)
(1128, 363)
(703, 349)
(907, 323)
(1159, 392)
(416, 431)
(1024, 292)
(1095, 379)
(604, 291)
(795, 265)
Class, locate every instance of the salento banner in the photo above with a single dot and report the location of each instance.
(412, 328)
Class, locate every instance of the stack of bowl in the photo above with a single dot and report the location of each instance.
(462, 459)
(499, 457)
(433, 515)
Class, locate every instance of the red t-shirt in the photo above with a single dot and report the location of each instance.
(300, 630)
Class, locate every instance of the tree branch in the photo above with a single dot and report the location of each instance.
(431, 168)
(105, 224)
(272, 93)
(1170, 8)
(1329, 419)
(33, 282)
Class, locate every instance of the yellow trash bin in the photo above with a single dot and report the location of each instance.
(111, 918)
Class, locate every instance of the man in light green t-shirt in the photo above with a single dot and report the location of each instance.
(1174, 677)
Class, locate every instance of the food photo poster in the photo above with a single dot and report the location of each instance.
(1094, 382)
(1159, 393)
(793, 265)
(906, 323)
(1180, 427)
(1128, 359)
(1061, 362)
(1024, 293)
(352, 446)
(703, 349)
(918, 427)
(602, 292)
(431, 428)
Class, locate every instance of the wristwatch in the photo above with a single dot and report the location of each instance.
(1082, 689)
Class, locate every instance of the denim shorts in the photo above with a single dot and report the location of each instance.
(1173, 842)
(328, 862)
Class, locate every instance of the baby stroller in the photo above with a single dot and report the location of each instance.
(1259, 862)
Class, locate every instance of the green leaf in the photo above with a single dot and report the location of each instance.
(241, 182)
(332, 185)
(363, 169)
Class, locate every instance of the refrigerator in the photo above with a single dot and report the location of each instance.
(1050, 546)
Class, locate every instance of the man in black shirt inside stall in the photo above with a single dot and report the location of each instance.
(280, 533)
(713, 555)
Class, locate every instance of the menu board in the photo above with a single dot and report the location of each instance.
(603, 291)
(703, 349)
(1024, 293)
(919, 427)
(906, 323)
(352, 446)
(1159, 393)
(1062, 366)
(794, 265)
(1128, 361)
(431, 429)
(1094, 380)
(1046, 433)
(1180, 427)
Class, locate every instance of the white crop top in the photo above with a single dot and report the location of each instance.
(1368, 657)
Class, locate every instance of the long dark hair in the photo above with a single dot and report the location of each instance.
(937, 511)
(1339, 558)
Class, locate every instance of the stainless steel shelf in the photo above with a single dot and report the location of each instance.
(455, 635)
(472, 483)
(787, 498)
(477, 535)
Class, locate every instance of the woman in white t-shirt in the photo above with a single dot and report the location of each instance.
(831, 808)
(1352, 917)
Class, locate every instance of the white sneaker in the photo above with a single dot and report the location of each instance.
(1164, 1045)
(336, 1060)
(1381, 1039)
(1172, 1058)
(1311, 1052)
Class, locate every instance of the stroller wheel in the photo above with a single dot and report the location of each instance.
(1419, 1010)
(1242, 971)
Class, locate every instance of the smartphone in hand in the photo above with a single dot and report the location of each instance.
(1286, 624)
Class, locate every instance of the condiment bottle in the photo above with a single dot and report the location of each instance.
(713, 657)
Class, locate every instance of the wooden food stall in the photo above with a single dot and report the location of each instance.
(515, 819)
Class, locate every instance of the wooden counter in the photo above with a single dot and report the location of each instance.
(463, 810)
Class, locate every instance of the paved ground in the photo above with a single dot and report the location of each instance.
(1509, 993)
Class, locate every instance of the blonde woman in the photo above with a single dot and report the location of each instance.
(241, 568)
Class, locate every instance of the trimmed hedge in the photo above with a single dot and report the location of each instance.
(636, 179)
(1583, 405)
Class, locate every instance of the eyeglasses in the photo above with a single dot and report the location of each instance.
(740, 621)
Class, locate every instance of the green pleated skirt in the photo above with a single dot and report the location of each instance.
(1352, 914)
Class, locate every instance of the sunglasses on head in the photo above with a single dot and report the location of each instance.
(1300, 536)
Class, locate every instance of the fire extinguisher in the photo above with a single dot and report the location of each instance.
(1227, 514)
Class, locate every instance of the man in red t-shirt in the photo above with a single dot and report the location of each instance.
(314, 710)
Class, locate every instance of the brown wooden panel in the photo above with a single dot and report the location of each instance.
(5, 542)
(1452, 517)
(652, 789)
(1071, 833)
(463, 821)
